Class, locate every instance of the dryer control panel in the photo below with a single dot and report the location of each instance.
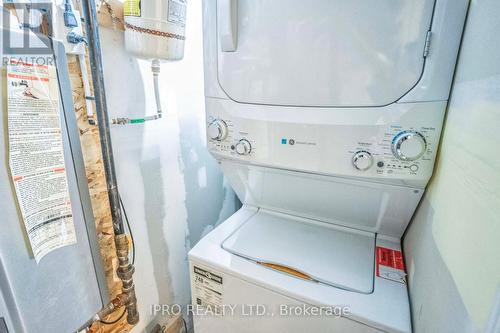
(396, 145)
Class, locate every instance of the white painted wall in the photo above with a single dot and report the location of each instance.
(172, 188)
(453, 245)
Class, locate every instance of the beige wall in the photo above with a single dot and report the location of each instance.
(452, 247)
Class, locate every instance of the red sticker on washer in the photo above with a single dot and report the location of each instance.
(390, 264)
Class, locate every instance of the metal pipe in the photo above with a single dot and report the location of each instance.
(94, 46)
(125, 272)
(126, 269)
(118, 302)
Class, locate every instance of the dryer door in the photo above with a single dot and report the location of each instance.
(329, 53)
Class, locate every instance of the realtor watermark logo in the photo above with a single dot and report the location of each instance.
(25, 34)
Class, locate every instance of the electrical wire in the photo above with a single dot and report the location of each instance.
(129, 229)
(114, 321)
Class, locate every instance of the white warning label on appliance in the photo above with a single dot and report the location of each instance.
(208, 289)
(36, 157)
(177, 12)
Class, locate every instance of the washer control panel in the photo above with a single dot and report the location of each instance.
(243, 147)
(401, 149)
(224, 138)
(362, 160)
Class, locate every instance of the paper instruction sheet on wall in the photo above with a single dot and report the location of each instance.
(36, 156)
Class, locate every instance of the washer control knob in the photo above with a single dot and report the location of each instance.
(217, 130)
(409, 146)
(362, 160)
(243, 147)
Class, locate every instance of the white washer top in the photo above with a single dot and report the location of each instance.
(333, 255)
(386, 308)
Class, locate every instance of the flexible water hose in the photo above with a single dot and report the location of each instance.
(155, 69)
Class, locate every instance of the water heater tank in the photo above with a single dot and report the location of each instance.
(155, 29)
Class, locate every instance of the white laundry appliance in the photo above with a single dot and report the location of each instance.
(325, 116)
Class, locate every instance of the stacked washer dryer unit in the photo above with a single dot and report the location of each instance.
(325, 116)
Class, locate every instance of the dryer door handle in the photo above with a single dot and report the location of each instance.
(227, 17)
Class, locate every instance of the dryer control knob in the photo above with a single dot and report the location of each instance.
(362, 160)
(217, 130)
(243, 147)
(409, 146)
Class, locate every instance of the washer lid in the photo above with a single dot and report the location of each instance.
(333, 255)
(331, 53)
